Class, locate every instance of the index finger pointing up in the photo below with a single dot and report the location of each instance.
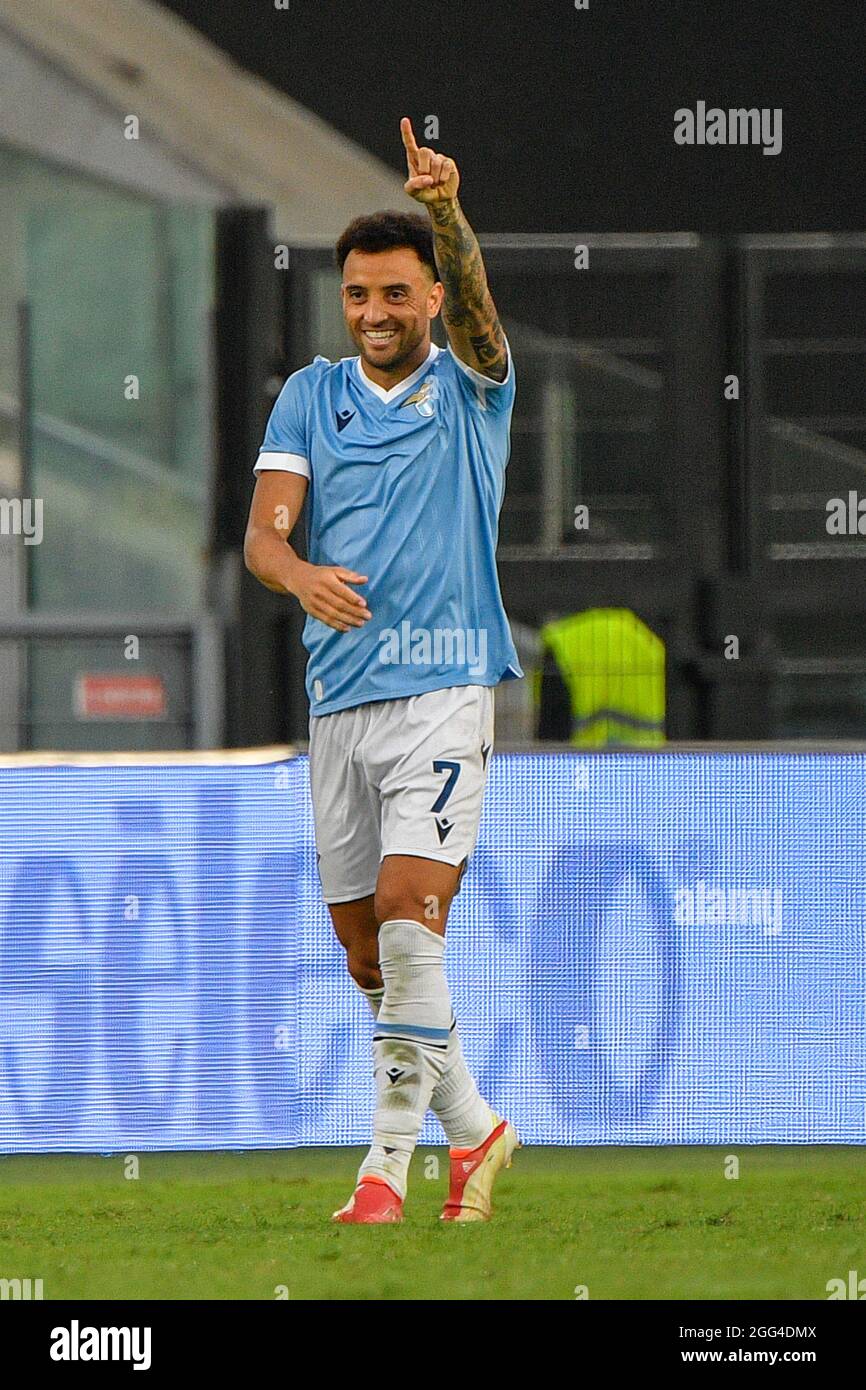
(408, 137)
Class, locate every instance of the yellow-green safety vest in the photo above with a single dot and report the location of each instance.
(613, 666)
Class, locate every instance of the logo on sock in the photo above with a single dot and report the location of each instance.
(393, 1074)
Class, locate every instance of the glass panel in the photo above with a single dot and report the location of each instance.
(835, 636)
(814, 376)
(588, 419)
(821, 691)
(12, 552)
(328, 336)
(119, 287)
(12, 291)
(118, 290)
(822, 706)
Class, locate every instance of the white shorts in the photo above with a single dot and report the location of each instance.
(400, 776)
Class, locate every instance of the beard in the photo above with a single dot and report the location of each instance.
(401, 349)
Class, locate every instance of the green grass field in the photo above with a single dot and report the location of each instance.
(627, 1223)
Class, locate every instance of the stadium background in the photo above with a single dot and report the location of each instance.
(167, 222)
(155, 257)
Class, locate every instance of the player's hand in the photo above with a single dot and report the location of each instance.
(433, 178)
(323, 592)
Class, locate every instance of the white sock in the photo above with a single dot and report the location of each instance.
(457, 1103)
(464, 1115)
(409, 1044)
(374, 998)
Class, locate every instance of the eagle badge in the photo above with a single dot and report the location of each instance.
(424, 399)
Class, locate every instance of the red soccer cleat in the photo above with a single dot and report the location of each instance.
(473, 1173)
(373, 1203)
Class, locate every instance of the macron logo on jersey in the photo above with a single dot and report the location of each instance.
(343, 418)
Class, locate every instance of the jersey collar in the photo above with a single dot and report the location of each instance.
(401, 386)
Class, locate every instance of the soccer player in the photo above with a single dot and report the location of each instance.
(400, 453)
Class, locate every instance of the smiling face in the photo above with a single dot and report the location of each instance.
(389, 299)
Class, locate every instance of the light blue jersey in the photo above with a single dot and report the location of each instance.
(405, 487)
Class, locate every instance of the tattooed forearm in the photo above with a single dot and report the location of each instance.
(474, 330)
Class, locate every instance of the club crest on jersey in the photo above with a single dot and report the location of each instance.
(424, 399)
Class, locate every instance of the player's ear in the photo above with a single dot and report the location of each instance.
(435, 298)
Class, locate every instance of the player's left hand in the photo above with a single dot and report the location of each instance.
(433, 178)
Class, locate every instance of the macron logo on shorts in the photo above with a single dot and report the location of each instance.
(443, 828)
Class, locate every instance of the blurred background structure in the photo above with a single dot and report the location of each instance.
(688, 408)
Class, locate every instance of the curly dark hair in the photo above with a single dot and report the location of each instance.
(383, 231)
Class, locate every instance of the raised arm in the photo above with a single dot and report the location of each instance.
(470, 316)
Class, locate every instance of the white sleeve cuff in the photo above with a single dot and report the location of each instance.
(478, 377)
(283, 463)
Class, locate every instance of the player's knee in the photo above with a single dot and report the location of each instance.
(401, 904)
(394, 903)
(364, 970)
